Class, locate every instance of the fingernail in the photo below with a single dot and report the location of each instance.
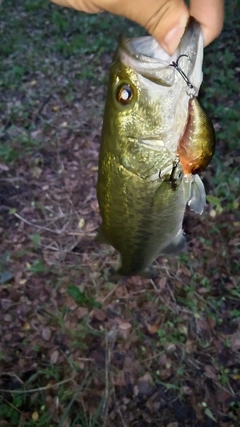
(172, 39)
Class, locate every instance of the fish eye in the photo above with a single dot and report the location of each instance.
(124, 94)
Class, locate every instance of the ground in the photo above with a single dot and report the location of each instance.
(77, 349)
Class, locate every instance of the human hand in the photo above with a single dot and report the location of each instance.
(164, 19)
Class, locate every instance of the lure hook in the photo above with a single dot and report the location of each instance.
(181, 72)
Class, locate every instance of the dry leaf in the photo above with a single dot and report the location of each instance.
(46, 334)
(152, 329)
(124, 329)
(99, 314)
(222, 396)
(125, 325)
(81, 223)
(54, 356)
(210, 372)
(190, 346)
(35, 416)
(26, 326)
(70, 302)
(36, 171)
(235, 342)
(162, 283)
(81, 312)
(185, 270)
(162, 360)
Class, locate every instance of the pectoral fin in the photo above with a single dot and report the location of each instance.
(197, 199)
(194, 192)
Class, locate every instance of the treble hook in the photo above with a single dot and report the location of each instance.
(181, 72)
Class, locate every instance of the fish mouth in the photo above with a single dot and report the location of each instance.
(148, 58)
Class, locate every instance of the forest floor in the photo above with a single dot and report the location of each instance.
(75, 348)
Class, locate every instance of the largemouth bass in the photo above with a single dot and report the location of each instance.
(143, 187)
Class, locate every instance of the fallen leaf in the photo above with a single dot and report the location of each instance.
(81, 223)
(99, 314)
(222, 396)
(125, 325)
(46, 334)
(81, 312)
(36, 171)
(152, 329)
(185, 270)
(124, 329)
(26, 326)
(162, 360)
(190, 346)
(5, 276)
(162, 283)
(35, 416)
(235, 342)
(54, 356)
(210, 372)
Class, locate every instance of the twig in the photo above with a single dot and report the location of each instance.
(35, 120)
(41, 227)
(105, 404)
(14, 179)
(108, 336)
(171, 293)
(122, 419)
(82, 233)
(161, 298)
(109, 294)
(12, 374)
(14, 407)
(34, 390)
(152, 357)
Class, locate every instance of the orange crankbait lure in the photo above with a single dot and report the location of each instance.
(197, 145)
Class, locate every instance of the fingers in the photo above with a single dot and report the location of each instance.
(210, 14)
(166, 20)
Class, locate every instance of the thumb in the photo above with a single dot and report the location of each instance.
(165, 20)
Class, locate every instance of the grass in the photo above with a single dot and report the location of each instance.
(75, 38)
(75, 348)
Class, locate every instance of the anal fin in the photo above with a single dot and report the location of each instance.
(177, 244)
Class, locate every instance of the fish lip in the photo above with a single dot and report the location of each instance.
(129, 45)
(149, 67)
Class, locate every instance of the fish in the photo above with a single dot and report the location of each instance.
(144, 184)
